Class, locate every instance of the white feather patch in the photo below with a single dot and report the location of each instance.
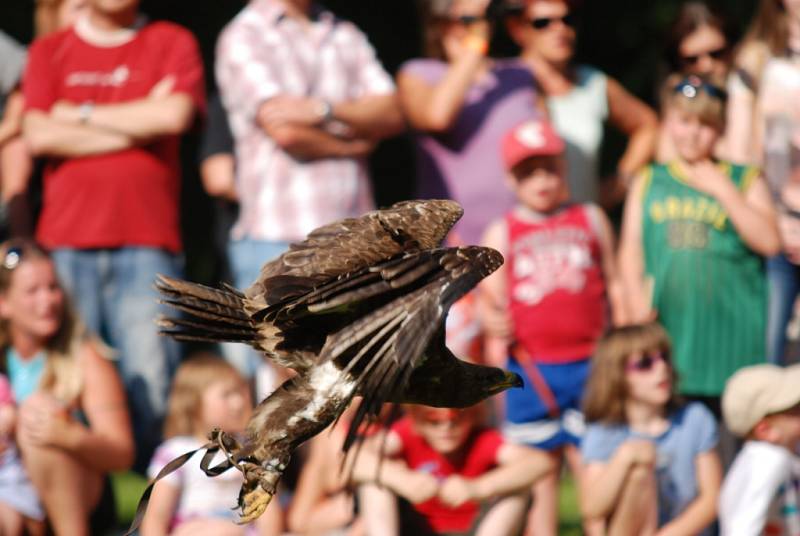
(326, 381)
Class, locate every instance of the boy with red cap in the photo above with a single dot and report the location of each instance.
(459, 476)
(546, 307)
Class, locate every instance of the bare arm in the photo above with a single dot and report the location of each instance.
(703, 509)
(160, 509)
(602, 483)
(613, 280)
(49, 137)
(518, 468)
(742, 135)
(142, 120)
(631, 255)
(493, 296)
(311, 143)
(315, 508)
(11, 124)
(635, 119)
(372, 117)
(752, 213)
(107, 443)
(219, 177)
(434, 108)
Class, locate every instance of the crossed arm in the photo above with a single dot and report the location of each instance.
(109, 127)
(297, 125)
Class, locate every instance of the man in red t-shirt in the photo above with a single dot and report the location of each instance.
(106, 102)
(460, 477)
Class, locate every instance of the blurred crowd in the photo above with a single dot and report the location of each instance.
(655, 350)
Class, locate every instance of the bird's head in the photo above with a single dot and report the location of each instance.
(465, 385)
(495, 380)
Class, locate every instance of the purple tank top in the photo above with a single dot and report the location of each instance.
(464, 163)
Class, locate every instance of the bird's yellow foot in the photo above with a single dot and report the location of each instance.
(253, 504)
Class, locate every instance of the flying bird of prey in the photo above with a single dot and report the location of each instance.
(356, 309)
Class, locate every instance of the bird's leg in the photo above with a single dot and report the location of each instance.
(261, 482)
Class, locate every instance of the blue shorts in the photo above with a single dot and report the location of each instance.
(528, 420)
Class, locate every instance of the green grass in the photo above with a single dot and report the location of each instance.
(128, 487)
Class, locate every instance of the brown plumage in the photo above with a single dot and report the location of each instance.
(357, 309)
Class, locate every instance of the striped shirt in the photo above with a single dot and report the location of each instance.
(263, 53)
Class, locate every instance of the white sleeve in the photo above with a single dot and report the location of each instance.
(748, 490)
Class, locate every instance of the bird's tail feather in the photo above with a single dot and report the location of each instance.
(213, 315)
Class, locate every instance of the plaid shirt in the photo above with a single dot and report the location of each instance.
(263, 53)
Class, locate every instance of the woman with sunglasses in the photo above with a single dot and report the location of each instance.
(697, 43)
(580, 99)
(764, 128)
(73, 426)
(650, 462)
(459, 103)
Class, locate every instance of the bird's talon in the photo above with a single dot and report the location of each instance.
(254, 504)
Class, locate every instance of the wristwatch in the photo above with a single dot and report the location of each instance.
(325, 111)
(85, 112)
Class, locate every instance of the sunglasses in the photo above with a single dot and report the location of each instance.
(691, 86)
(646, 362)
(440, 418)
(716, 54)
(464, 20)
(540, 23)
(12, 258)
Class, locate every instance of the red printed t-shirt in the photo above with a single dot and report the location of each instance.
(124, 198)
(482, 450)
(557, 295)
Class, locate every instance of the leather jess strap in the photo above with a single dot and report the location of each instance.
(538, 382)
(218, 441)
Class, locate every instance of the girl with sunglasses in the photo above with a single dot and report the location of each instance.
(693, 236)
(650, 462)
(73, 426)
(764, 128)
(580, 99)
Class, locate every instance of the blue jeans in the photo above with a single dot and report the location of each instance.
(246, 258)
(112, 290)
(783, 279)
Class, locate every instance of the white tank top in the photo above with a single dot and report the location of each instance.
(578, 116)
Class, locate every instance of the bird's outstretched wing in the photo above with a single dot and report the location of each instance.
(381, 349)
(348, 245)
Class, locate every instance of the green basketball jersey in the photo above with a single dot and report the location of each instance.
(710, 289)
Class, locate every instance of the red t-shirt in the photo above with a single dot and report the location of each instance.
(482, 449)
(125, 198)
(557, 295)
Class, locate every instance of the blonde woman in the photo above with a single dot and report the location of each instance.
(73, 425)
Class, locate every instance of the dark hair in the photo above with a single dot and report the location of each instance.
(691, 17)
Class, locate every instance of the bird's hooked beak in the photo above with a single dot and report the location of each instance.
(511, 379)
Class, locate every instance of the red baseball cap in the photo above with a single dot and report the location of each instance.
(534, 137)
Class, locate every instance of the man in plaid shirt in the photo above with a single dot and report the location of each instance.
(307, 100)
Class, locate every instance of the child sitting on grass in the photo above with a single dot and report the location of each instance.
(459, 476)
(207, 393)
(650, 463)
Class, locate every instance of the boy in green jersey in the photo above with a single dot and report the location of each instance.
(694, 235)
